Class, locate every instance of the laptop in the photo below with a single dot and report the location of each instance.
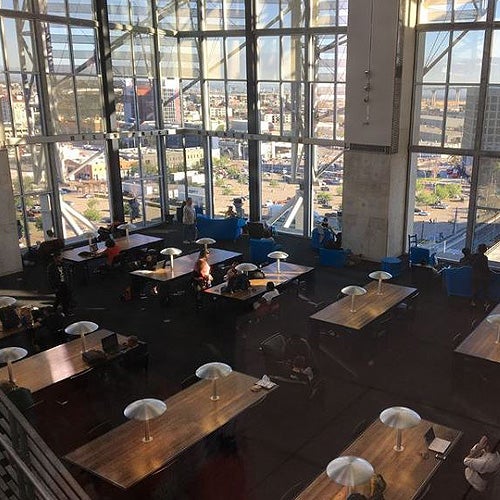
(110, 344)
(436, 444)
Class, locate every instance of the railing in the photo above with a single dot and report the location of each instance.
(29, 470)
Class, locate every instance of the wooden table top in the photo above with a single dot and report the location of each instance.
(368, 307)
(122, 458)
(185, 264)
(481, 342)
(135, 240)
(405, 473)
(54, 365)
(258, 286)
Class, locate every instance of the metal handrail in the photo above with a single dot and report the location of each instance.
(25, 442)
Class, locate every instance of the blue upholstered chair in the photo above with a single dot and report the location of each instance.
(392, 265)
(218, 229)
(331, 257)
(260, 248)
(419, 255)
(458, 281)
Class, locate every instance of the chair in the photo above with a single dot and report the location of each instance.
(259, 249)
(412, 240)
(273, 349)
(391, 265)
(419, 255)
(458, 281)
(316, 241)
(256, 230)
(331, 257)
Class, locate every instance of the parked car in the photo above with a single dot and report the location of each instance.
(423, 213)
(440, 205)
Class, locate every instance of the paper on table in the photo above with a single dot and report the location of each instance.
(265, 382)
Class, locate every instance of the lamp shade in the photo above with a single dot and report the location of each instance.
(399, 417)
(353, 290)
(380, 275)
(171, 251)
(213, 371)
(245, 267)
(205, 241)
(349, 471)
(277, 254)
(11, 354)
(81, 328)
(127, 226)
(7, 301)
(145, 409)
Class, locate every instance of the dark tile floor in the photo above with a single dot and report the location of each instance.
(276, 448)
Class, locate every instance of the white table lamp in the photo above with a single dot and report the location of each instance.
(246, 267)
(171, 252)
(145, 410)
(349, 471)
(205, 242)
(213, 371)
(353, 290)
(90, 235)
(81, 328)
(399, 418)
(380, 276)
(9, 355)
(278, 255)
(127, 226)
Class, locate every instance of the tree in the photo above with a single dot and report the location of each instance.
(92, 213)
(324, 198)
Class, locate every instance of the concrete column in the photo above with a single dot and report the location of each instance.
(10, 254)
(378, 102)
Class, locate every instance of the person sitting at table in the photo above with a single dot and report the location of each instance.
(481, 465)
(201, 272)
(325, 232)
(466, 260)
(111, 230)
(111, 251)
(267, 297)
(481, 276)
(20, 396)
(299, 370)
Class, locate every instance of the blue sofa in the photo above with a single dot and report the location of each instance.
(331, 257)
(219, 229)
(260, 248)
(458, 282)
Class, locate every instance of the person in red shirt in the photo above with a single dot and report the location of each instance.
(111, 251)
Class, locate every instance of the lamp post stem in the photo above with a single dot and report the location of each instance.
(379, 291)
(497, 341)
(279, 269)
(126, 232)
(172, 263)
(399, 446)
(90, 241)
(84, 344)
(214, 396)
(147, 432)
(206, 247)
(352, 303)
(9, 368)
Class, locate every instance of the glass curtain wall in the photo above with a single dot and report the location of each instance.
(455, 144)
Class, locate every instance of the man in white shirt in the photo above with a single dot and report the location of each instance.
(481, 465)
(271, 293)
(189, 221)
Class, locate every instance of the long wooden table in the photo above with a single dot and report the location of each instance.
(368, 307)
(184, 265)
(481, 342)
(288, 273)
(122, 458)
(54, 365)
(406, 473)
(125, 244)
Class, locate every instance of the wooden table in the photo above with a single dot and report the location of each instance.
(54, 365)
(406, 473)
(368, 307)
(288, 273)
(184, 265)
(481, 342)
(123, 459)
(125, 244)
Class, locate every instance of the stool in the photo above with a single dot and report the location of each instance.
(392, 265)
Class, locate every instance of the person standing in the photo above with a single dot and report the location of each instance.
(189, 221)
(481, 276)
(60, 281)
